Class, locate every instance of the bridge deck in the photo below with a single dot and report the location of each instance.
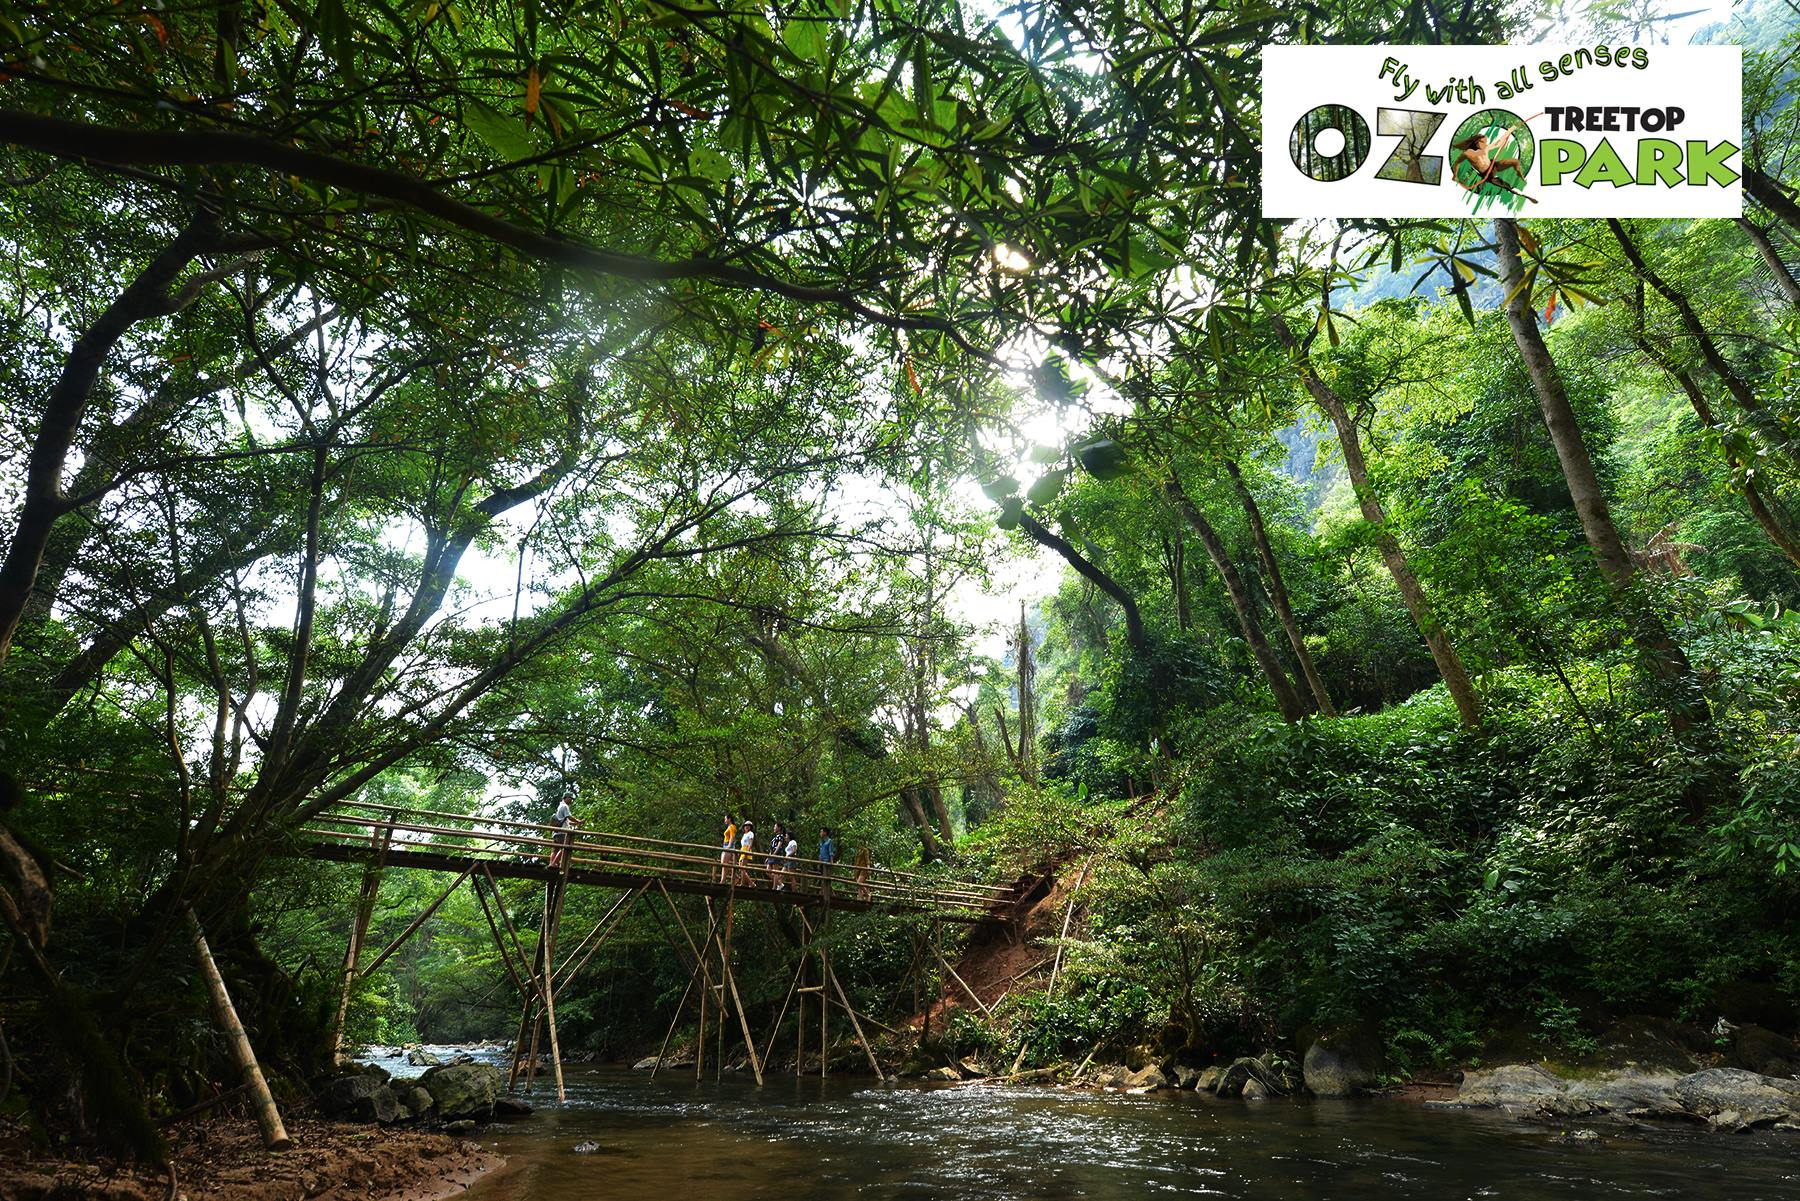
(445, 842)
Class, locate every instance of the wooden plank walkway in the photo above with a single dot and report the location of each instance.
(430, 840)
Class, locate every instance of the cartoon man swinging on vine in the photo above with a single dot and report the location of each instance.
(1479, 153)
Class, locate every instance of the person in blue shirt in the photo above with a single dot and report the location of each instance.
(827, 856)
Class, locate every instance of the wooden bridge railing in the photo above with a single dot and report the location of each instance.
(501, 843)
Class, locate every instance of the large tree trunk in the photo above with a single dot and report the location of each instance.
(145, 297)
(1784, 279)
(1666, 658)
(1278, 593)
(1286, 699)
(1412, 593)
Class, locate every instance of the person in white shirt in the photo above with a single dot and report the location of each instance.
(566, 824)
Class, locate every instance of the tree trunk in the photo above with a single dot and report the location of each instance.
(1771, 195)
(1412, 593)
(1286, 699)
(145, 297)
(1278, 593)
(1134, 622)
(1784, 279)
(1715, 359)
(1667, 660)
(1766, 517)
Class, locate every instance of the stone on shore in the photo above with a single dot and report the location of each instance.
(364, 1097)
(1727, 1098)
(1148, 1079)
(1340, 1065)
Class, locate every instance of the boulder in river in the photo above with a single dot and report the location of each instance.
(1337, 1065)
(421, 1058)
(1184, 1076)
(1208, 1079)
(463, 1090)
(511, 1107)
(1147, 1078)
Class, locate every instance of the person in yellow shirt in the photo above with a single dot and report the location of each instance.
(727, 847)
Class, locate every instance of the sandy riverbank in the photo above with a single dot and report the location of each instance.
(223, 1160)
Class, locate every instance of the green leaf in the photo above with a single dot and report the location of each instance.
(1001, 487)
(1043, 452)
(1044, 489)
(1011, 509)
(1103, 459)
(503, 135)
(710, 164)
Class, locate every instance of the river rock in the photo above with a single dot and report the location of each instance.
(947, 1074)
(587, 1148)
(420, 1058)
(1248, 1067)
(1184, 1076)
(1513, 1086)
(1338, 1065)
(1256, 1090)
(414, 1100)
(1147, 1078)
(1110, 1075)
(1762, 1051)
(1208, 1079)
(464, 1090)
(511, 1107)
(360, 1098)
(1734, 1099)
(460, 1126)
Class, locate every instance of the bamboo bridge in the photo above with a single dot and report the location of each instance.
(481, 851)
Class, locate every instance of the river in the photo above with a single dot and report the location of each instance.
(807, 1140)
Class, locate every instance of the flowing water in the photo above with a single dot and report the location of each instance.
(807, 1140)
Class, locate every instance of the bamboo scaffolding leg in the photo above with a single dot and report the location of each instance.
(663, 1051)
(831, 979)
(969, 992)
(424, 915)
(554, 893)
(359, 927)
(546, 1007)
(824, 1014)
(737, 1002)
(268, 1118)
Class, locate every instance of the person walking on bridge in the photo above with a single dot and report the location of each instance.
(726, 849)
(746, 850)
(827, 856)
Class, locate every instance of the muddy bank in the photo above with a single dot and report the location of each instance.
(224, 1160)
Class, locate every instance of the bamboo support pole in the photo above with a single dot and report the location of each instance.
(365, 973)
(379, 837)
(969, 992)
(268, 1118)
(553, 896)
(831, 979)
